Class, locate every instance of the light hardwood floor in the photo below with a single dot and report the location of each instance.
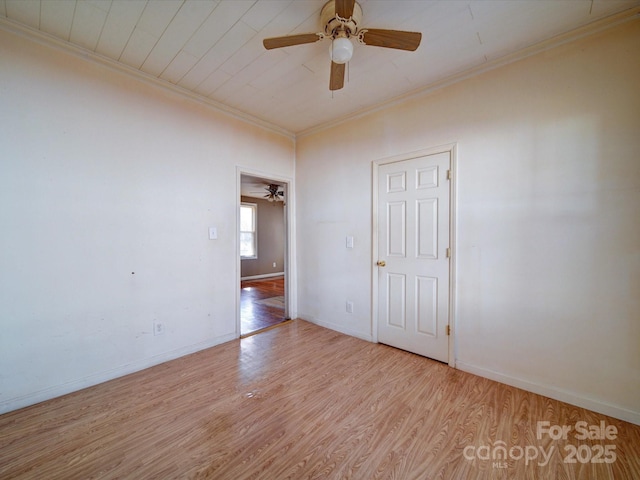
(300, 401)
(254, 315)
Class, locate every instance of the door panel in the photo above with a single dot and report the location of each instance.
(413, 235)
(427, 228)
(427, 305)
(396, 229)
(396, 182)
(396, 295)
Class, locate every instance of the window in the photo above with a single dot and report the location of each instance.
(248, 234)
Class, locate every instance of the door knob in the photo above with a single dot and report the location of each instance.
(381, 263)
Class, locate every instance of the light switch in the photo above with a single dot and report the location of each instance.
(213, 233)
(349, 242)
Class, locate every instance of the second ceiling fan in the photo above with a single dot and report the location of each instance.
(340, 20)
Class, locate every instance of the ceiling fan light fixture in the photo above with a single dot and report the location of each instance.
(341, 50)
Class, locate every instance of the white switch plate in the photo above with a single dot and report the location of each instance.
(349, 307)
(349, 241)
(213, 233)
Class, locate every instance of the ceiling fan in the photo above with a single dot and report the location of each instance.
(274, 194)
(341, 22)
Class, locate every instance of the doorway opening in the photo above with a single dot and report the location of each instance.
(263, 253)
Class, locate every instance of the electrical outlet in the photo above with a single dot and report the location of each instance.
(274, 264)
(349, 307)
(158, 328)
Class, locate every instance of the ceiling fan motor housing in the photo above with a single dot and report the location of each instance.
(332, 24)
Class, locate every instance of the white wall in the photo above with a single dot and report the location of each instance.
(548, 252)
(101, 176)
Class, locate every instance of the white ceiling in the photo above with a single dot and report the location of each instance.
(213, 48)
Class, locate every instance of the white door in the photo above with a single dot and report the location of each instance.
(413, 260)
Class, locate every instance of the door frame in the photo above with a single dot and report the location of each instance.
(376, 164)
(290, 294)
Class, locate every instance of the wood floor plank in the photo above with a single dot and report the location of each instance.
(298, 402)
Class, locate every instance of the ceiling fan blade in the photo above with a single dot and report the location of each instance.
(336, 82)
(290, 40)
(391, 38)
(344, 8)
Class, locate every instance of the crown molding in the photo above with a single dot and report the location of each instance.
(553, 42)
(48, 40)
(85, 54)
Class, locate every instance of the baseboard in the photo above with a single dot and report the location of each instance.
(265, 275)
(336, 327)
(81, 383)
(555, 393)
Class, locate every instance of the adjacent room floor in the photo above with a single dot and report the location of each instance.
(261, 304)
(301, 401)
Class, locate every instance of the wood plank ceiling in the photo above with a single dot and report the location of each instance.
(213, 48)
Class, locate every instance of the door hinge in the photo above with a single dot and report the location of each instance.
(448, 329)
(448, 253)
(448, 174)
